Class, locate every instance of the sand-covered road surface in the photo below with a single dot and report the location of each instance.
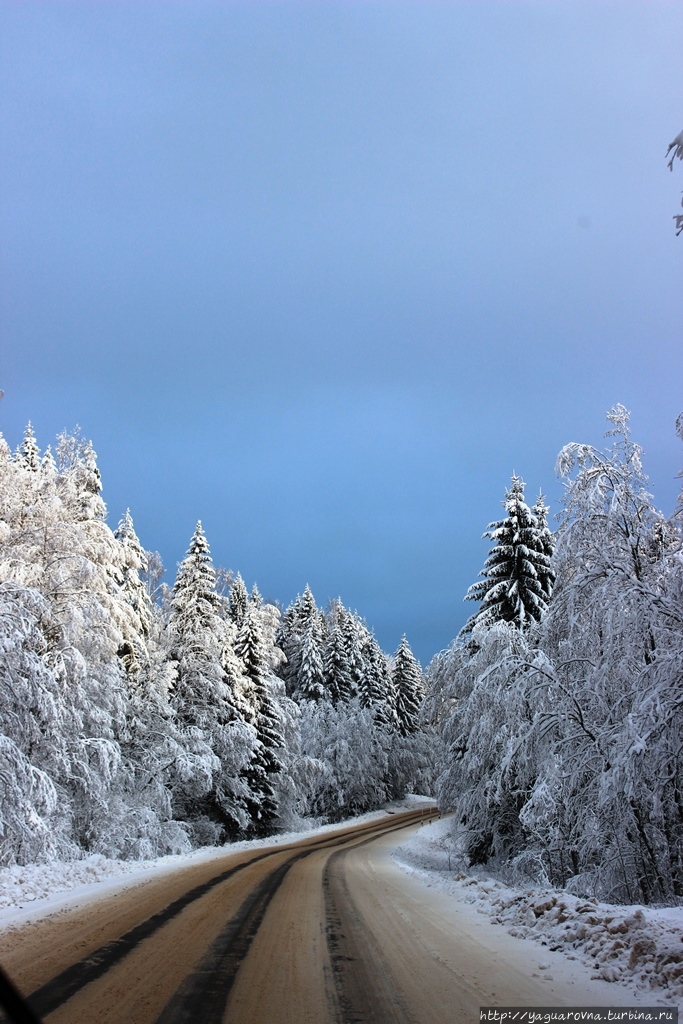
(326, 930)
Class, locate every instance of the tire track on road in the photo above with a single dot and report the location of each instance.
(67, 983)
(365, 991)
(205, 993)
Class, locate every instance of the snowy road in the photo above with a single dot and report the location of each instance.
(327, 929)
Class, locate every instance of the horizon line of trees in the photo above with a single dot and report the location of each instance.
(138, 719)
(560, 703)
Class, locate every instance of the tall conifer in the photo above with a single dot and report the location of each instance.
(545, 544)
(409, 688)
(311, 679)
(265, 762)
(336, 676)
(512, 587)
(238, 600)
(202, 695)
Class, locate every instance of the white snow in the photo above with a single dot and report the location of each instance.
(39, 890)
(640, 947)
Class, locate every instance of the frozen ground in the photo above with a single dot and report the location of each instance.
(639, 947)
(31, 892)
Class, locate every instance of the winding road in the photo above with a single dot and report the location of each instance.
(325, 930)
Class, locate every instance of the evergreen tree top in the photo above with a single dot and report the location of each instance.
(196, 576)
(238, 600)
(249, 645)
(199, 543)
(306, 603)
(28, 452)
(540, 508)
(403, 650)
(517, 578)
(125, 529)
(48, 464)
(126, 535)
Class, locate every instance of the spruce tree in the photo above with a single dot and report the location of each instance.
(305, 608)
(238, 600)
(265, 762)
(512, 589)
(352, 631)
(290, 636)
(133, 562)
(194, 631)
(48, 465)
(409, 688)
(28, 453)
(374, 686)
(545, 544)
(286, 641)
(311, 680)
(202, 696)
(336, 676)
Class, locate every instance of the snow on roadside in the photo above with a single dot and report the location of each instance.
(635, 945)
(37, 890)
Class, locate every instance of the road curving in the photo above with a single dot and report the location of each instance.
(324, 930)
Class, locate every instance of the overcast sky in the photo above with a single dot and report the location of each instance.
(322, 275)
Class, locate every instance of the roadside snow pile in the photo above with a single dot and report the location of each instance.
(621, 943)
(19, 885)
(635, 945)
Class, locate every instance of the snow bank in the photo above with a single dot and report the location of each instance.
(635, 945)
(34, 891)
(19, 885)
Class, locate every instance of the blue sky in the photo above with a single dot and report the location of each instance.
(324, 274)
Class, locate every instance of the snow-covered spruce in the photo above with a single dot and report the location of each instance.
(517, 576)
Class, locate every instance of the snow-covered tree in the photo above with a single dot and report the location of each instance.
(133, 562)
(511, 589)
(486, 716)
(353, 632)
(292, 629)
(215, 799)
(265, 762)
(613, 637)
(310, 679)
(545, 544)
(375, 686)
(28, 453)
(336, 677)
(564, 738)
(409, 688)
(352, 755)
(35, 759)
(238, 600)
(58, 552)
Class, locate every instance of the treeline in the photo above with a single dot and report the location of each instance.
(561, 702)
(138, 720)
